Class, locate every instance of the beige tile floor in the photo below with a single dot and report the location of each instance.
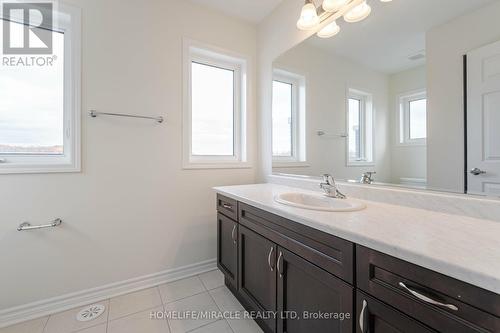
(131, 313)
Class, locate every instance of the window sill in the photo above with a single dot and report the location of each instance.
(36, 169)
(278, 164)
(208, 166)
(411, 144)
(360, 164)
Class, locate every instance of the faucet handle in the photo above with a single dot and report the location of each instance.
(328, 179)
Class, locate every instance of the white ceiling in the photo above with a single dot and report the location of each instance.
(249, 10)
(393, 31)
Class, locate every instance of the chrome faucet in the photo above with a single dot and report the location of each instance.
(330, 187)
(367, 177)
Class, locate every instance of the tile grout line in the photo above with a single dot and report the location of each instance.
(218, 307)
(109, 311)
(45, 325)
(205, 325)
(163, 307)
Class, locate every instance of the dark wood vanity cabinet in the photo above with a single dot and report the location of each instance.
(299, 279)
(442, 303)
(227, 247)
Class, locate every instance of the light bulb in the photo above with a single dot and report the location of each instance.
(329, 30)
(358, 13)
(308, 17)
(333, 5)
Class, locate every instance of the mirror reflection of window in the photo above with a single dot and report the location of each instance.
(413, 118)
(282, 119)
(288, 113)
(359, 128)
(418, 119)
(354, 129)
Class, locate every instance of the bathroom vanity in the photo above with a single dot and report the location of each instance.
(383, 269)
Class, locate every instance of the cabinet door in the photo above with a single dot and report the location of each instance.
(227, 248)
(376, 317)
(311, 299)
(257, 276)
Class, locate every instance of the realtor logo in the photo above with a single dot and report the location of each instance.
(27, 28)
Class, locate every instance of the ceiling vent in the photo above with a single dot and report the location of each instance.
(417, 56)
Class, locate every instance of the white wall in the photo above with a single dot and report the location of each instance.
(446, 44)
(327, 79)
(408, 161)
(133, 210)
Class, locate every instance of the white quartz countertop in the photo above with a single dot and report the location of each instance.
(464, 248)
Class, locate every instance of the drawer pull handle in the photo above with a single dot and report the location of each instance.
(279, 265)
(233, 234)
(227, 206)
(427, 299)
(269, 259)
(362, 317)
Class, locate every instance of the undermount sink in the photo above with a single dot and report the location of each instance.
(319, 202)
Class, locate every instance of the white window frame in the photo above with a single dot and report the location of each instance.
(208, 55)
(403, 120)
(67, 19)
(367, 133)
(298, 83)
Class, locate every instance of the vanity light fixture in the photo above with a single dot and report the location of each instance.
(358, 13)
(323, 18)
(308, 17)
(333, 5)
(329, 30)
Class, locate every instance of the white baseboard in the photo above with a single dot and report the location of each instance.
(57, 304)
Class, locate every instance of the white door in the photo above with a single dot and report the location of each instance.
(483, 120)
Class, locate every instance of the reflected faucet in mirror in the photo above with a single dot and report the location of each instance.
(330, 187)
(367, 177)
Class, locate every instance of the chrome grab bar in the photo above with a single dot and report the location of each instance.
(427, 299)
(94, 114)
(27, 226)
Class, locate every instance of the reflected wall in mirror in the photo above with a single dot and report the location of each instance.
(384, 97)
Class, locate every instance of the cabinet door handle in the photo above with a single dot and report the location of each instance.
(427, 299)
(233, 234)
(362, 316)
(269, 259)
(227, 206)
(279, 265)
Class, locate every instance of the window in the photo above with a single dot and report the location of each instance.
(288, 113)
(413, 118)
(359, 128)
(214, 110)
(39, 99)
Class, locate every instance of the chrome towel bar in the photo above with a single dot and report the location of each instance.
(27, 226)
(94, 114)
(325, 134)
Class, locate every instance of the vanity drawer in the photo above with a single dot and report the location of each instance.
(333, 254)
(227, 206)
(411, 289)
